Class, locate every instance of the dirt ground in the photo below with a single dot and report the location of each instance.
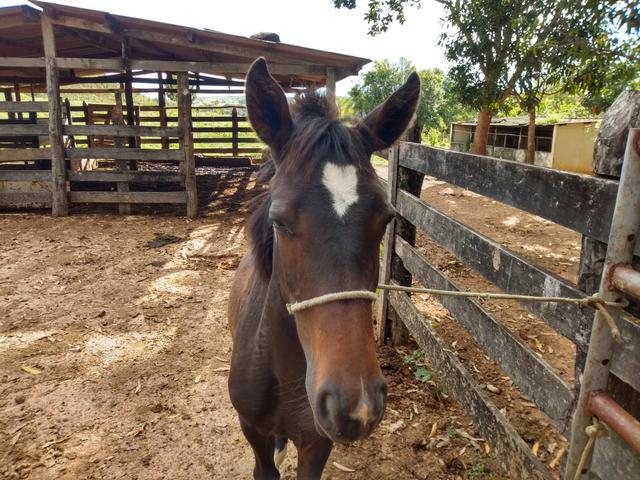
(114, 349)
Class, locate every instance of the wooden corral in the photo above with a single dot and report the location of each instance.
(49, 149)
(581, 203)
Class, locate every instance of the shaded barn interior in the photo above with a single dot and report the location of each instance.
(135, 151)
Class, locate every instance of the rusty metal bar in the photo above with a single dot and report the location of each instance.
(622, 239)
(616, 417)
(627, 280)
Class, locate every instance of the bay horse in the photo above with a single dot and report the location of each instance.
(311, 377)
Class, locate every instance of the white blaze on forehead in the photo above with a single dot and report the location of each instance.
(342, 183)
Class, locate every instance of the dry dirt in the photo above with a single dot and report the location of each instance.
(114, 349)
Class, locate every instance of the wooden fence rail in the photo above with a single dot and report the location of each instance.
(579, 202)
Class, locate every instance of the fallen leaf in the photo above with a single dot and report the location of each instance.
(138, 387)
(137, 431)
(343, 468)
(395, 426)
(557, 458)
(221, 369)
(492, 389)
(434, 430)
(487, 448)
(55, 442)
(32, 370)
(198, 378)
(223, 360)
(535, 448)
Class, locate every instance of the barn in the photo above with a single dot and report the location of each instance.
(56, 153)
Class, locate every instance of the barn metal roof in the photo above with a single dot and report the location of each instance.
(84, 33)
(523, 121)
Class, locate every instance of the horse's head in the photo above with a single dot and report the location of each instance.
(328, 212)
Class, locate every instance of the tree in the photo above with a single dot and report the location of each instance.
(438, 105)
(499, 47)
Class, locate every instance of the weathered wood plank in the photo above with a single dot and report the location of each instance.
(241, 150)
(25, 175)
(186, 144)
(121, 130)
(24, 106)
(536, 379)
(579, 202)
(59, 204)
(115, 64)
(513, 453)
(385, 265)
(23, 129)
(132, 176)
(20, 62)
(514, 274)
(25, 199)
(24, 154)
(127, 197)
(125, 154)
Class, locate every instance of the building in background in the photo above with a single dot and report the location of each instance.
(563, 145)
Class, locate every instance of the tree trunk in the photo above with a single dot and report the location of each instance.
(481, 136)
(531, 137)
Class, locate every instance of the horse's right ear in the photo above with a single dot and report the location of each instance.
(267, 106)
(389, 120)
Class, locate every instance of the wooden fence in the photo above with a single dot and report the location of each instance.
(578, 202)
(36, 142)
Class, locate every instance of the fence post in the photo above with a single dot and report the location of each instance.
(388, 242)
(234, 132)
(622, 239)
(186, 143)
(59, 199)
(391, 326)
(117, 118)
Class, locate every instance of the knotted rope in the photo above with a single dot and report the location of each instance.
(593, 301)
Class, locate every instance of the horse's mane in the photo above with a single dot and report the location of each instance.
(318, 135)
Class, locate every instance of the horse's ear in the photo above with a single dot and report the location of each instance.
(389, 120)
(267, 106)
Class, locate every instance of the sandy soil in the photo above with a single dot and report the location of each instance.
(114, 350)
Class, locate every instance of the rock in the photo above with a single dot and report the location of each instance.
(19, 399)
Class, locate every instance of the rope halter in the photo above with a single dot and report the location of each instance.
(330, 297)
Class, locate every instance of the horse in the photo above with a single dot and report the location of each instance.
(311, 377)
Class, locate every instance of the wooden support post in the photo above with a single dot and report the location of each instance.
(331, 83)
(117, 118)
(382, 305)
(234, 132)
(59, 198)
(163, 109)
(186, 143)
(622, 239)
(16, 90)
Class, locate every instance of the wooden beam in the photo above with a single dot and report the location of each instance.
(25, 175)
(21, 62)
(120, 130)
(24, 154)
(580, 202)
(24, 106)
(25, 199)
(114, 176)
(127, 197)
(59, 205)
(511, 451)
(186, 144)
(22, 129)
(514, 274)
(331, 84)
(535, 378)
(125, 154)
(214, 68)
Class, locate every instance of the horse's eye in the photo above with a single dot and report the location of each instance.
(281, 227)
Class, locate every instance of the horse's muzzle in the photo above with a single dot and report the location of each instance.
(345, 421)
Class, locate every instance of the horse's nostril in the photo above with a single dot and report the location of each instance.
(326, 406)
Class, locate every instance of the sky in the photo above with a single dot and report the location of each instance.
(309, 23)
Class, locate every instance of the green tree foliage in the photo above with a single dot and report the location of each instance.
(499, 48)
(438, 107)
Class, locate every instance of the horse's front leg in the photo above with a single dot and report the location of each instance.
(263, 447)
(312, 457)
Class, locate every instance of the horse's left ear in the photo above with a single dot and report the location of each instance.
(389, 120)
(267, 106)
